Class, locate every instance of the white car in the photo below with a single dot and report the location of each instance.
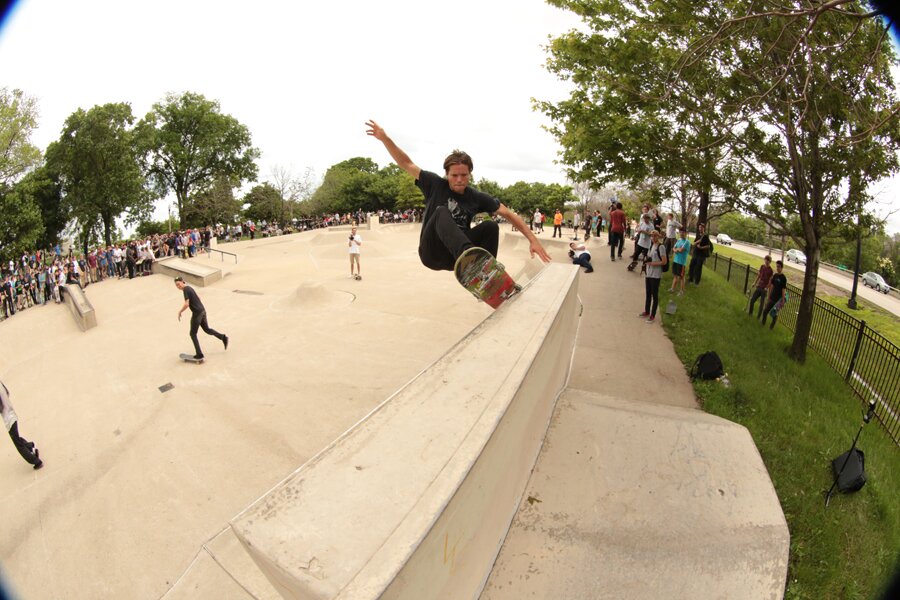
(874, 280)
(795, 256)
(724, 239)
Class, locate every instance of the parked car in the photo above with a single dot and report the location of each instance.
(724, 239)
(874, 280)
(796, 256)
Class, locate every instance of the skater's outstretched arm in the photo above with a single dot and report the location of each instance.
(518, 223)
(400, 157)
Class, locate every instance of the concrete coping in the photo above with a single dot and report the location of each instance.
(193, 272)
(81, 308)
(414, 501)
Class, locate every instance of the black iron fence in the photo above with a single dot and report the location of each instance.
(869, 362)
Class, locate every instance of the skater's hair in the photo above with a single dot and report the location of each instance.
(458, 157)
(779, 263)
(619, 205)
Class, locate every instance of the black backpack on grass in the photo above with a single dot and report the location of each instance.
(707, 366)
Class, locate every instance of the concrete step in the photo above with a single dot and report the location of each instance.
(631, 500)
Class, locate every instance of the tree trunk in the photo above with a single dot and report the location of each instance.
(703, 208)
(807, 305)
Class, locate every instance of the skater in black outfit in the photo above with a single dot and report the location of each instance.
(198, 317)
(25, 448)
(450, 205)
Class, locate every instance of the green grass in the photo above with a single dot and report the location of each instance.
(801, 417)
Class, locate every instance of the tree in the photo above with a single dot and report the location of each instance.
(189, 144)
(626, 118)
(213, 205)
(20, 222)
(42, 187)
(292, 189)
(96, 158)
(818, 120)
(18, 118)
(265, 203)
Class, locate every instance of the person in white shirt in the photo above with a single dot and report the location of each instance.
(672, 227)
(354, 244)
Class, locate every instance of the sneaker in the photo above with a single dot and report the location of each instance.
(651, 320)
(198, 356)
(38, 465)
(612, 258)
(588, 270)
(681, 293)
(644, 314)
(225, 341)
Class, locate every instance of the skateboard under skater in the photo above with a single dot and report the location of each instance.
(190, 358)
(479, 272)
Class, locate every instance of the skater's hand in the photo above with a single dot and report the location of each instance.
(536, 248)
(375, 130)
(179, 317)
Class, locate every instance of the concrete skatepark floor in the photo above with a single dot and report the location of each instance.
(136, 479)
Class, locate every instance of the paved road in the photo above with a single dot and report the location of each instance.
(889, 302)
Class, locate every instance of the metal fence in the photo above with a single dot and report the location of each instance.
(869, 362)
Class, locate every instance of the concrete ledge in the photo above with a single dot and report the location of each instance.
(415, 500)
(193, 272)
(80, 306)
(657, 502)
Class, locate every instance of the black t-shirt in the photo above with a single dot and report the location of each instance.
(193, 299)
(463, 206)
(779, 282)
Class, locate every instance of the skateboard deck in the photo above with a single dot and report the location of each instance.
(480, 273)
(190, 358)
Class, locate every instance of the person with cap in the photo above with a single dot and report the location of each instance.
(198, 317)
(25, 448)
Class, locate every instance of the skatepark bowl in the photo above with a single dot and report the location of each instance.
(383, 438)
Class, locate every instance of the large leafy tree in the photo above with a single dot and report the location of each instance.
(96, 158)
(18, 118)
(189, 144)
(265, 203)
(21, 227)
(626, 119)
(214, 205)
(813, 86)
(43, 188)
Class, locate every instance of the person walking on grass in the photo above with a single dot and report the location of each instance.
(656, 258)
(198, 317)
(26, 449)
(777, 295)
(761, 286)
(450, 206)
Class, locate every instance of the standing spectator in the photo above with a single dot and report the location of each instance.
(557, 223)
(761, 286)
(679, 261)
(701, 250)
(656, 259)
(25, 448)
(777, 295)
(643, 239)
(354, 244)
(672, 227)
(92, 266)
(580, 256)
(616, 231)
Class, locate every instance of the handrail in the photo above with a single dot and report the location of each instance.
(223, 253)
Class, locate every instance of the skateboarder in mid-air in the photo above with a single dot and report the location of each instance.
(198, 317)
(450, 205)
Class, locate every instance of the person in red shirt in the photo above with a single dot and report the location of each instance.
(761, 286)
(617, 231)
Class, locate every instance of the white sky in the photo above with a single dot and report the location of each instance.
(305, 76)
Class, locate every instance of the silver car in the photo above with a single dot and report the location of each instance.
(796, 256)
(874, 280)
(724, 239)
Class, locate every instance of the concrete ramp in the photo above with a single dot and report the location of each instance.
(193, 272)
(415, 500)
(81, 308)
(655, 502)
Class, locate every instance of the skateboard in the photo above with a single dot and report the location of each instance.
(357, 277)
(480, 273)
(190, 358)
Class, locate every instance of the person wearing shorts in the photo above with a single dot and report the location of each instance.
(680, 250)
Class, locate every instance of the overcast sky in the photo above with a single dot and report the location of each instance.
(305, 76)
